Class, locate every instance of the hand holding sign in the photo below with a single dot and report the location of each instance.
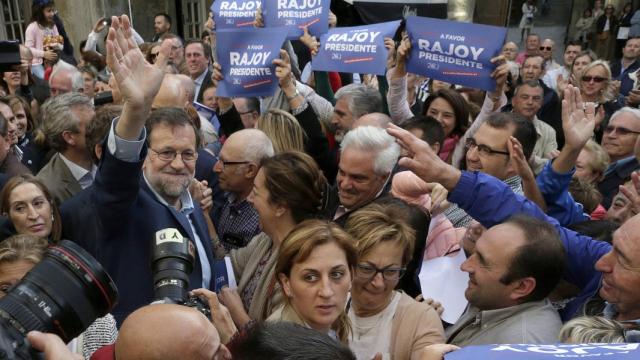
(311, 42)
(500, 74)
(455, 52)
(246, 59)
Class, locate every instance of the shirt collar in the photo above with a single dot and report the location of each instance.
(200, 78)
(78, 171)
(185, 199)
(497, 315)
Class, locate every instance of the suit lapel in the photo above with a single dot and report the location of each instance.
(71, 185)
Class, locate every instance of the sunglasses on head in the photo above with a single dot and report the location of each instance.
(542, 48)
(597, 79)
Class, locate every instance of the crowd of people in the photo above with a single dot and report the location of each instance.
(327, 197)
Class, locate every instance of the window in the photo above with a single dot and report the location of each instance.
(194, 15)
(11, 20)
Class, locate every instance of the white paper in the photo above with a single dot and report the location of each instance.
(231, 277)
(623, 33)
(442, 280)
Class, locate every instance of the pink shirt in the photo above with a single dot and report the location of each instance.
(34, 40)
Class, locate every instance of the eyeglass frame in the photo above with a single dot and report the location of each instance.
(595, 79)
(482, 148)
(359, 267)
(548, 48)
(225, 163)
(175, 154)
(620, 130)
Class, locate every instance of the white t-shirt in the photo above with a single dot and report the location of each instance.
(372, 334)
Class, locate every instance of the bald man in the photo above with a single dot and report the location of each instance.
(373, 119)
(167, 332)
(178, 90)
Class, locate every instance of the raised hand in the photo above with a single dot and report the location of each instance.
(402, 54)
(99, 26)
(137, 80)
(578, 120)
(310, 41)
(500, 74)
(283, 70)
(423, 161)
(632, 192)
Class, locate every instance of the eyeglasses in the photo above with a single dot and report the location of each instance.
(368, 272)
(187, 156)
(597, 79)
(482, 149)
(619, 130)
(548, 48)
(246, 112)
(229, 163)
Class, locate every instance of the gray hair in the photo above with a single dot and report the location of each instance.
(375, 140)
(626, 110)
(592, 329)
(361, 99)
(258, 147)
(75, 76)
(58, 117)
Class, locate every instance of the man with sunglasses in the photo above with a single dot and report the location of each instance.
(236, 221)
(619, 140)
(546, 50)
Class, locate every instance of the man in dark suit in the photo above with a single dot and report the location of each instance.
(141, 191)
(197, 58)
(621, 68)
(71, 169)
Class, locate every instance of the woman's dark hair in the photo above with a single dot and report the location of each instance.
(96, 60)
(37, 11)
(294, 180)
(459, 105)
(14, 182)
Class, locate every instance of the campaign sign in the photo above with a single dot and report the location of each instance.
(547, 352)
(246, 57)
(230, 14)
(358, 49)
(296, 15)
(455, 52)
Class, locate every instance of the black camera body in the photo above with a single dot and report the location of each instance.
(9, 56)
(63, 294)
(172, 261)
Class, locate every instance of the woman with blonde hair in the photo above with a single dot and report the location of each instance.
(315, 269)
(384, 320)
(592, 329)
(596, 86)
(283, 129)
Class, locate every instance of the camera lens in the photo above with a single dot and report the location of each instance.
(172, 262)
(62, 294)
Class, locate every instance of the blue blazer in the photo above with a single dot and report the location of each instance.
(116, 220)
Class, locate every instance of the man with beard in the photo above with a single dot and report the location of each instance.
(140, 196)
(353, 101)
(161, 26)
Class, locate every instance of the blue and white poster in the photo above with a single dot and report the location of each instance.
(358, 49)
(246, 57)
(455, 52)
(296, 15)
(547, 352)
(231, 14)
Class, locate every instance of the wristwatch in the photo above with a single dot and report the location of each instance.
(295, 95)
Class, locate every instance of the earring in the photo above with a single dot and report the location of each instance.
(53, 219)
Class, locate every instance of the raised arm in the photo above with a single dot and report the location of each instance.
(138, 81)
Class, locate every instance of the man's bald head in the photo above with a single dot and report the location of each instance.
(373, 119)
(167, 332)
(177, 90)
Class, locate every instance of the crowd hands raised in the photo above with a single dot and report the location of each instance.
(327, 197)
